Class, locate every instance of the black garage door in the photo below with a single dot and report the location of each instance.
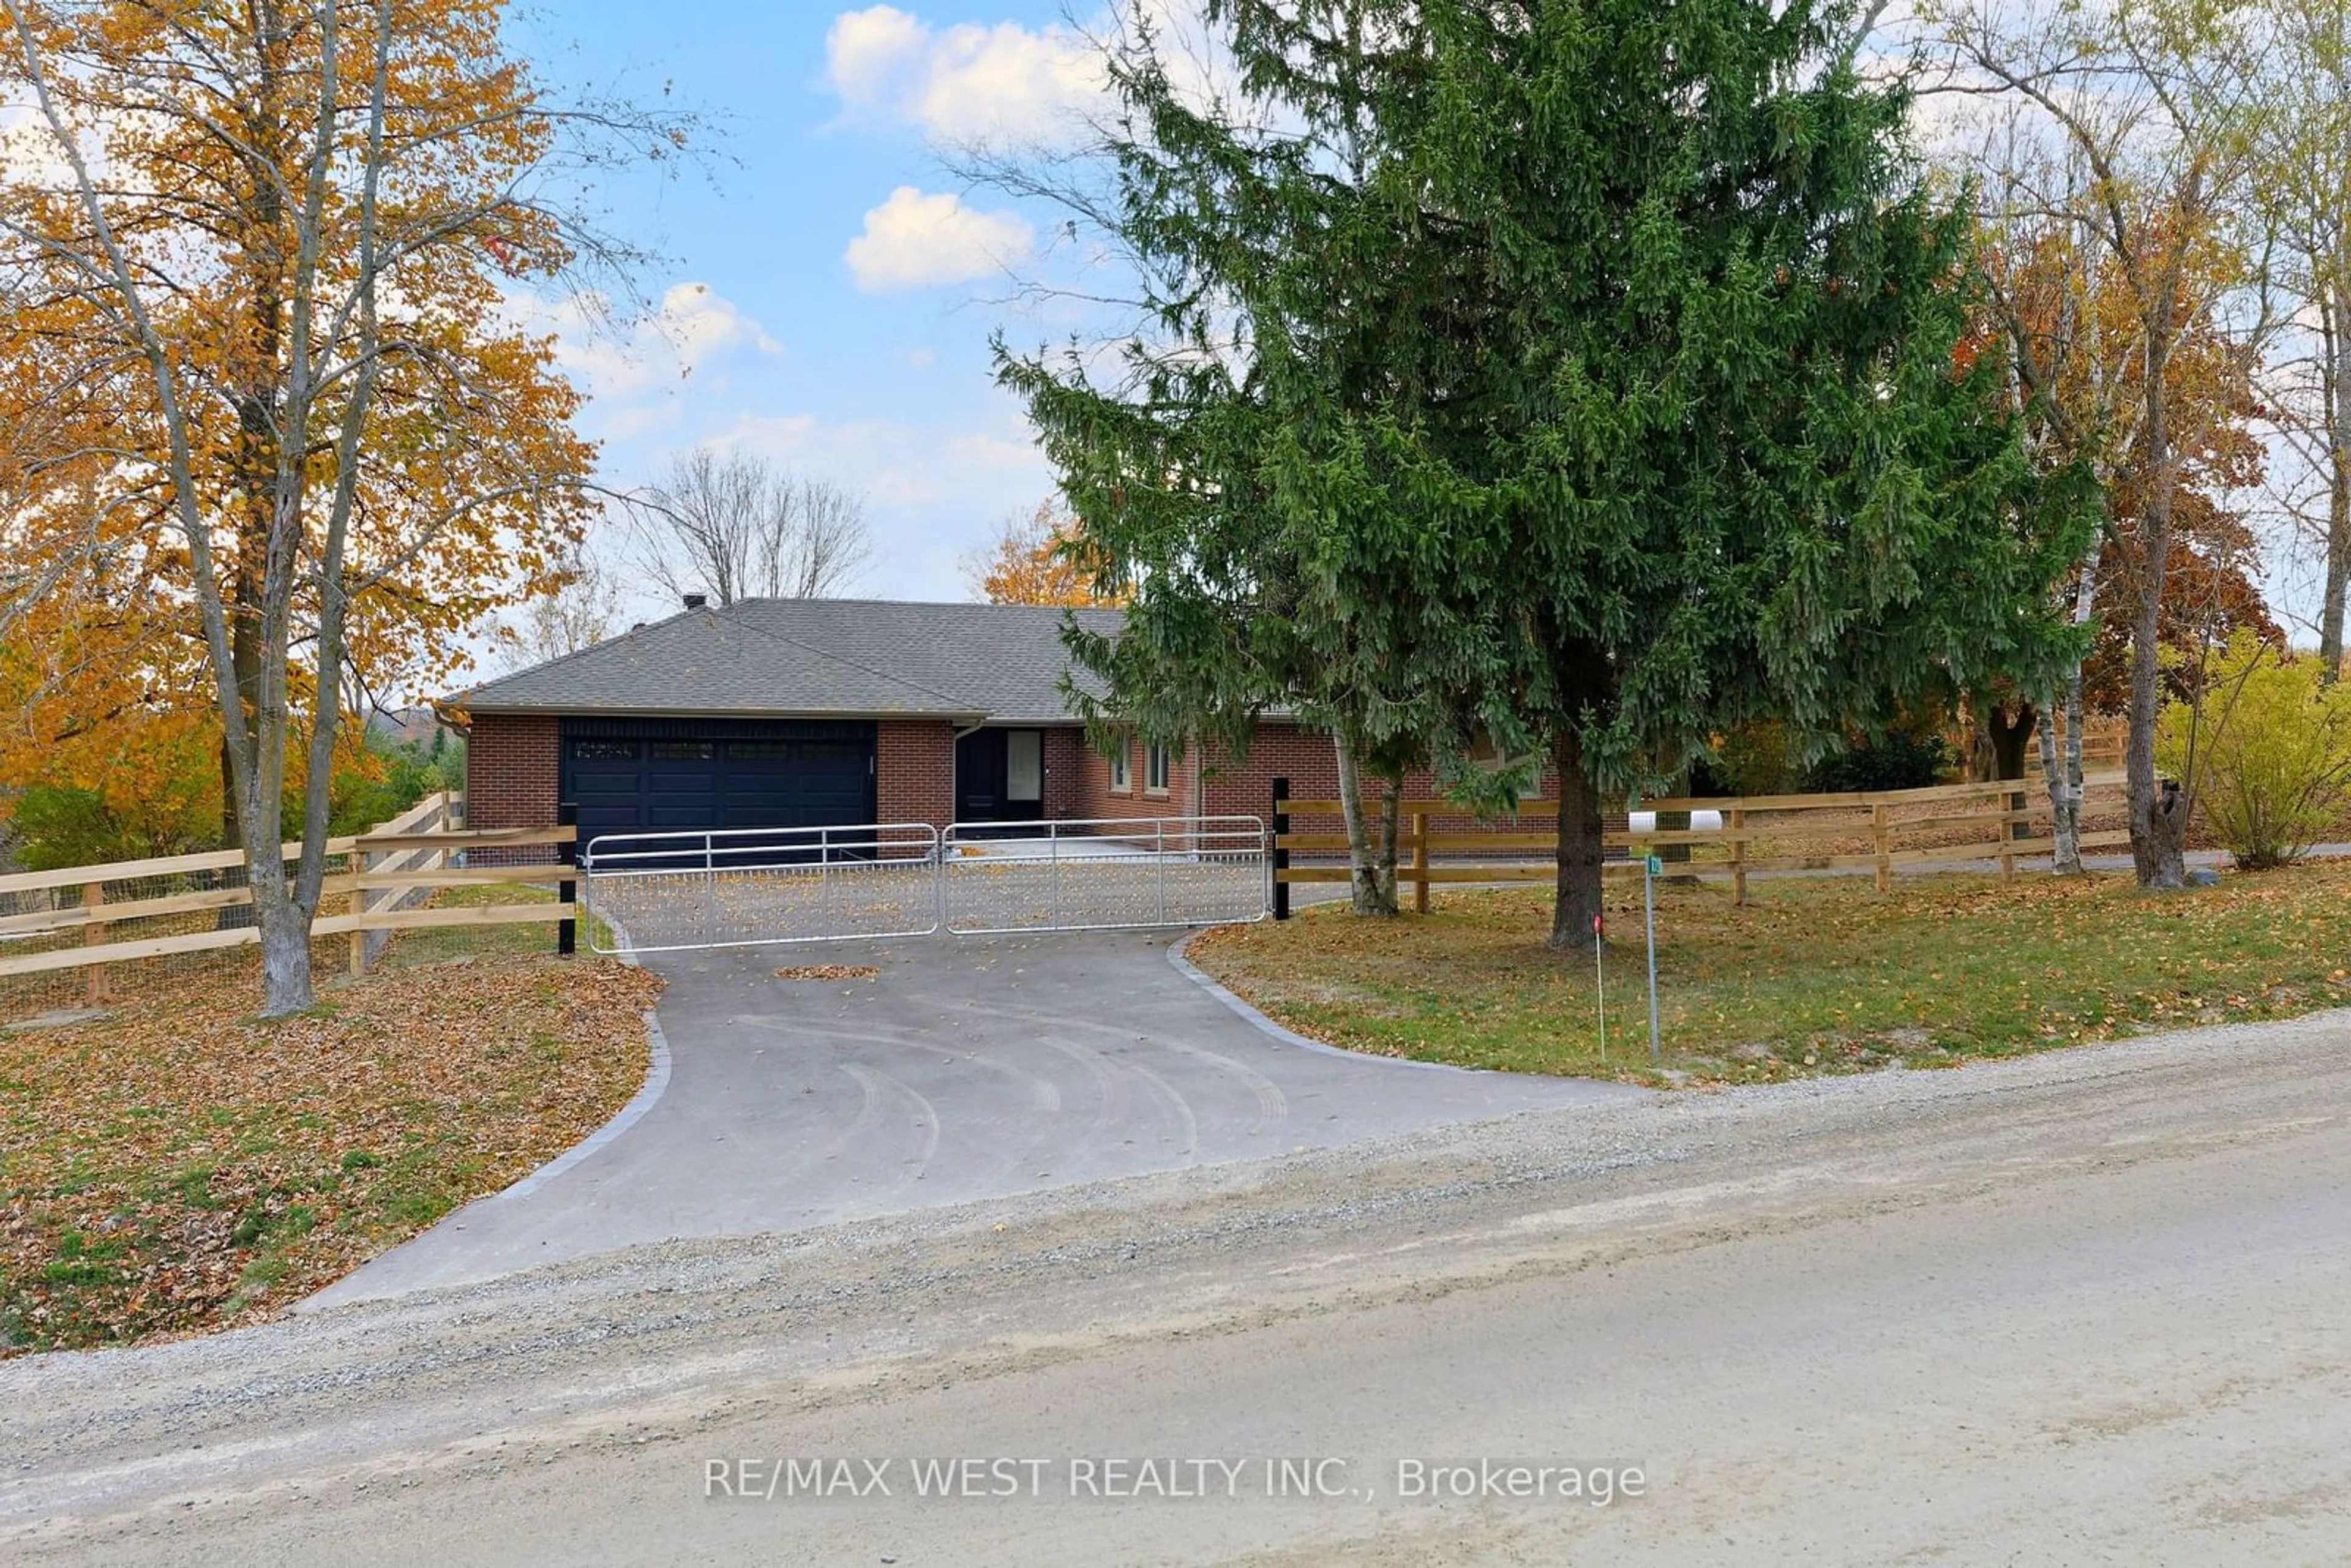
(683, 776)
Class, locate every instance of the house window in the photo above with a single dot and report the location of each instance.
(1024, 765)
(1155, 768)
(1122, 770)
(604, 751)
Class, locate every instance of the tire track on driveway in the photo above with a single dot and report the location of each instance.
(754, 1134)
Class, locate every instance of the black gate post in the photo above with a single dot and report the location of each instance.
(567, 930)
(1280, 850)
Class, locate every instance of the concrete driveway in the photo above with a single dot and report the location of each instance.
(969, 1068)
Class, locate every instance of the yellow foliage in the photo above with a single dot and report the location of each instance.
(467, 493)
(1041, 559)
(2266, 753)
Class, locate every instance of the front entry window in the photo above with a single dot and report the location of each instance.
(1024, 765)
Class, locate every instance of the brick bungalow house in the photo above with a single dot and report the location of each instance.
(809, 712)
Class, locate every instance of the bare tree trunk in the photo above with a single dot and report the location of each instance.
(2158, 811)
(2074, 736)
(2009, 734)
(285, 956)
(2335, 379)
(1576, 904)
(2065, 780)
(258, 371)
(2062, 845)
(1391, 806)
(244, 640)
(1368, 895)
(2063, 773)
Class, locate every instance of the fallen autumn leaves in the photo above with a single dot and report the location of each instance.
(181, 1166)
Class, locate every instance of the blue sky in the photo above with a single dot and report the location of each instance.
(828, 300)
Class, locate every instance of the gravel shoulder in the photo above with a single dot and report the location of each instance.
(488, 1420)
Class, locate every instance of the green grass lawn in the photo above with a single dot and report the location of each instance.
(1809, 977)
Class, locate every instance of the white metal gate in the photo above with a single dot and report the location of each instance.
(674, 891)
(666, 893)
(1102, 874)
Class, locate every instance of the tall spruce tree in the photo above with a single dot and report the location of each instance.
(1736, 467)
(1587, 377)
(1248, 467)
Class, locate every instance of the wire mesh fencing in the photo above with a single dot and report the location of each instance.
(659, 893)
(184, 920)
(89, 935)
(1103, 874)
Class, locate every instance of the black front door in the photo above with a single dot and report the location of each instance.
(1000, 776)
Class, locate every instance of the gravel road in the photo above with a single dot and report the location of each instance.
(2084, 1308)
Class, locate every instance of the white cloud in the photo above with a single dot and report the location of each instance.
(967, 82)
(918, 241)
(871, 54)
(966, 471)
(633, 371)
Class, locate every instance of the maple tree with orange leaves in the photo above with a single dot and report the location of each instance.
(274, 441)
(2124, 148)
(1042, 557)
(2077, 330)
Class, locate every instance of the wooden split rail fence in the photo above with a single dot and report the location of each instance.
(1874, 831)
(175, 904)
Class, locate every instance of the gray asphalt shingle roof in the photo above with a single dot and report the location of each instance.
(814, 657)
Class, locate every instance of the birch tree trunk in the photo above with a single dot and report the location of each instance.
(2075, 719)
(2064, 775)
(2335, 376)
(1369, 892)
(2158, 812)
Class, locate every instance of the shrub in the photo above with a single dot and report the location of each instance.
(1895, 760)
(2265, 753)
(386, 779)
(1751, 759)
(57, 825)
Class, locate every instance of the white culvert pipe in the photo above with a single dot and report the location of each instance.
(1699, 822)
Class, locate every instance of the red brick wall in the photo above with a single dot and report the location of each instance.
(512, 766)
(913, 771)
(1304, 757)
(1097, 798)
(1211, 787)
(1307, 758)
(512, 769)
(1065, 773)
(1093, 792)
